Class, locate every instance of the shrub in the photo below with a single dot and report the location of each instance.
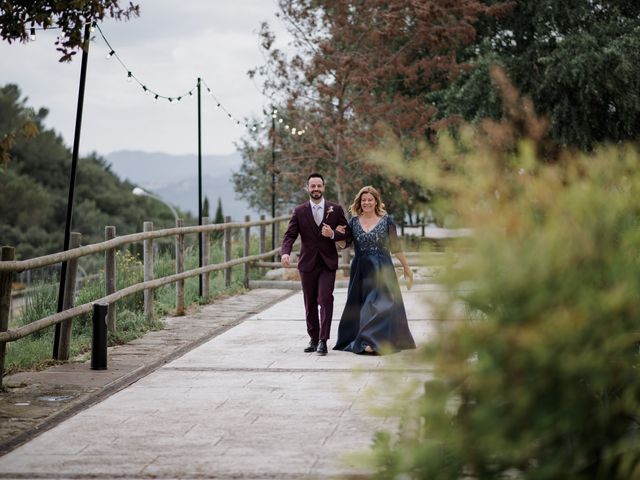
(539, 379)
(40, 301)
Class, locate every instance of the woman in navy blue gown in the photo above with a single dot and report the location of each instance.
(374, 320)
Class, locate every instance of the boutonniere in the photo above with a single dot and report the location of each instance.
(329, 211)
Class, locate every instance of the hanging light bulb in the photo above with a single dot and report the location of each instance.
(32, 34)
(293, 131)
(218, 105)
(170, 100)
(155, 99)
(110, 54)
(129, 76)
(279, 120)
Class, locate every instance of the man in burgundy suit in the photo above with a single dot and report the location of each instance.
(315, 221)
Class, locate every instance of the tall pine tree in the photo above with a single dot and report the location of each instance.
(219, 218)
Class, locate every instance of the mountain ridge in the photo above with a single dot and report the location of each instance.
(174, 178)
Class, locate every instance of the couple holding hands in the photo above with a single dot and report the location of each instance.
(374, 320)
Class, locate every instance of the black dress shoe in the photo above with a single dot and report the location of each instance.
(311, 347)
(322, 347)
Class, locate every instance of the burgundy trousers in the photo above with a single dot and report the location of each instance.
(317, 289)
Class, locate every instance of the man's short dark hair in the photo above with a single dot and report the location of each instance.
(315, 175)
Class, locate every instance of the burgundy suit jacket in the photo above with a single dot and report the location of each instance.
(313, 243)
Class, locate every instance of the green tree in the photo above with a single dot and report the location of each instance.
(34, 188)
(219, 218)
(578, 61)
(205, 207)
(18, 18)
(19, 122)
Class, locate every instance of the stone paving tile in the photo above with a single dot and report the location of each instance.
(71, 387)
(246, 404)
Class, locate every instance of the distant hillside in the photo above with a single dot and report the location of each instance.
(35, 184)
(174, 178)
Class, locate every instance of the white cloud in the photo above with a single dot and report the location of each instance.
(167, 48)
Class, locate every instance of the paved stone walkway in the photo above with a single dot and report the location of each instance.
(35, 401)
(248, 403)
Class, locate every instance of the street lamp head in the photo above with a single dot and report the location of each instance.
(138, 191)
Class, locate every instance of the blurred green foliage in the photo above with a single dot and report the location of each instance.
(538, 377)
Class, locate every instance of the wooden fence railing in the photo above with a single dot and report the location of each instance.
(433, 233)
(9, 266)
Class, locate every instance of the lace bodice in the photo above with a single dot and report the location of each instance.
(380, 239)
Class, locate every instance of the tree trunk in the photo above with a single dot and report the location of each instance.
(338, 177)
(339, 167)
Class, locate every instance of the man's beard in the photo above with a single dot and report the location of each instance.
(315, 195)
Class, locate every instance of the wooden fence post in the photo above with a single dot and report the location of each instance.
(247, 251)
(148, 272)
(110, 277)
(345, 258)
(227, 252)
(263, 241)
(179, 268)
(205, 260)
(276, 257)
(64, 346)
(7, 255)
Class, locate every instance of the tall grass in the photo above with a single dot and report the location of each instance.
(35, 350)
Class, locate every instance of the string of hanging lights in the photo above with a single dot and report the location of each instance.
(131, 77)
(272, 114)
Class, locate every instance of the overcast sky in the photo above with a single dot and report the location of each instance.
(167, 48)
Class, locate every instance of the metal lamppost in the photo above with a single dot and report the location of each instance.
(273, 179)
(142, 192)
(72, 180)
(200, 251)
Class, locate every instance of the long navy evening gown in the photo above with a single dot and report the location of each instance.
(374, 314)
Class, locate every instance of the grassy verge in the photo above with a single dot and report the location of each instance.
(35, 351)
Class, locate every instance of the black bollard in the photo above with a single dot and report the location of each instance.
(99, 338)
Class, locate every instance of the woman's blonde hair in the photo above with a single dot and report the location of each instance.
(356, 207)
